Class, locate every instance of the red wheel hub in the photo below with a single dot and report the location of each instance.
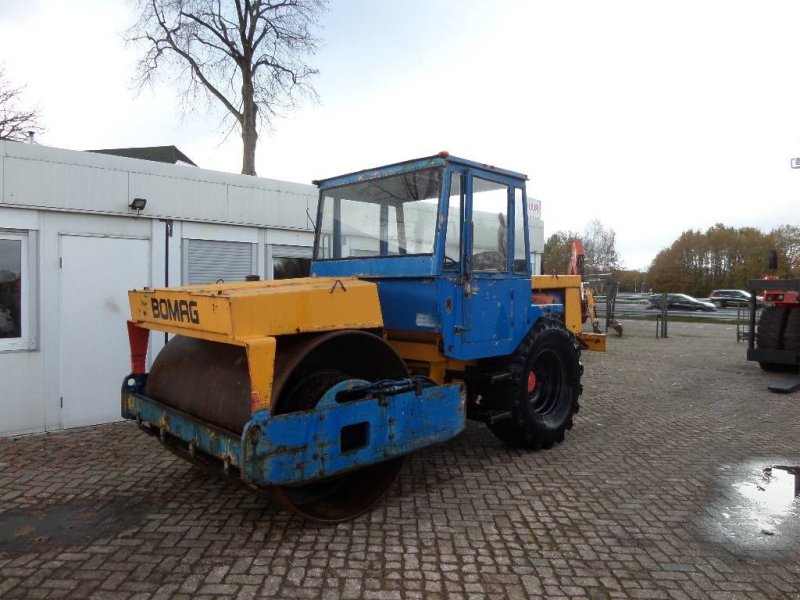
(531, 382)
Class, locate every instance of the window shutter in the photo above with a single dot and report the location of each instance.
(291, 251)
(209, 261)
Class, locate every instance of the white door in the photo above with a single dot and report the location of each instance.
(94, 355)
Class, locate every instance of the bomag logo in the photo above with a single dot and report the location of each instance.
(183, 311)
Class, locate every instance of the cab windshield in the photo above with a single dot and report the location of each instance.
(390, 216)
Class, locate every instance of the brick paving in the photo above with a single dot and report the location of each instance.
(655, 494)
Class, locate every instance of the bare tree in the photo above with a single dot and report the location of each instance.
(600, 245)
(247, 54)
(15, 122)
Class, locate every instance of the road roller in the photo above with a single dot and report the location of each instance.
(420, 311)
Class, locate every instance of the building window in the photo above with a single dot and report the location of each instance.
(209, 261)
(14, 292)
(290, 262)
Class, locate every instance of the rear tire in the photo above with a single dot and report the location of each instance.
(791, 337)
(791, 333)
(542, 392)
(770, 335)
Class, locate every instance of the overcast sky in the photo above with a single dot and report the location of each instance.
(655, 117)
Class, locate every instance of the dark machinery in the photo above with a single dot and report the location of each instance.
(775, 341)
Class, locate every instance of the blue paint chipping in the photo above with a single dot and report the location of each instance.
(305, 446)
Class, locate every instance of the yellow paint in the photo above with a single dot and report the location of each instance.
(570, 286)
(261, 363)
(251, 314)
(591, 308)
(555, 282)
(233, 312)
(593, 341)
(422, 352)
(573, 314)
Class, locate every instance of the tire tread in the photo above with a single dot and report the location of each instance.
(519, 431)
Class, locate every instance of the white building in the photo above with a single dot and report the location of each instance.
(536, 234)
(71, 246)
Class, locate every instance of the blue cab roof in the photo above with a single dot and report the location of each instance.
(437, 160)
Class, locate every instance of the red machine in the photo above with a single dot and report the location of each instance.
(775, 342)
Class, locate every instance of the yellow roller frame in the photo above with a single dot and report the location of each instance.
(251, 314)
(570, 287)
(427, 352)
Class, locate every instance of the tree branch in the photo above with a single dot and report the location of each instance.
(15, 123)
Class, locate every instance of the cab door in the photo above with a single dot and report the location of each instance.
(496, 288)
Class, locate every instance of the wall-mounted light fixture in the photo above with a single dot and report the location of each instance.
(138, 204)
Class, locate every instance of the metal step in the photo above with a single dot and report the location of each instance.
(785, 386)
(490, 417)
(478, 377)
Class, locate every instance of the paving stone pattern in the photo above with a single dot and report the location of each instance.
(644, 500)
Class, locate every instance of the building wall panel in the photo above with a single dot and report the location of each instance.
(62, 186)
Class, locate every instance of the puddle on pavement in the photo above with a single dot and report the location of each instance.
(69, 524)
(777, 492)
(759, 508)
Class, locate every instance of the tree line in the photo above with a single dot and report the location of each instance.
(724, 257)
(696, 263)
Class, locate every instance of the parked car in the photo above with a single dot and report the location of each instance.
(725, 298)
(680, 302)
